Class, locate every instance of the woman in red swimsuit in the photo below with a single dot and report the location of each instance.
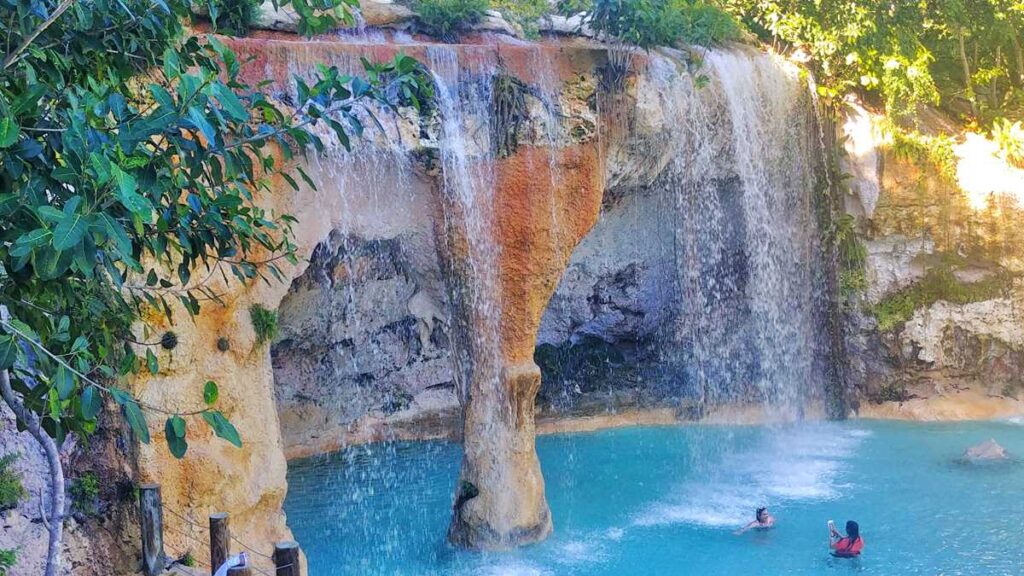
(848, 546)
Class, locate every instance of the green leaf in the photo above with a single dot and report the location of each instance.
(178, 425)
(127, 193)
(32, 239)
(133, 414)
(81, 345)
(9, 131)
(230, 102)
(204, 126)
(222, 428)
(115, 232)
(8, 352)
(69, 232)
(211, 393)
(50, 214)
(91, 403)
(64, 382)
(54, 404)
(174, 430)
(151, 362)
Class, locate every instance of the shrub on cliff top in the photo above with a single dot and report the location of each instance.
(526, 13)
(233, 17)
(652, 23)
(1009, 136)
(446, 18)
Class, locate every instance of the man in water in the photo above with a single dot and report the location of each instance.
(848, 546)
(762, 521)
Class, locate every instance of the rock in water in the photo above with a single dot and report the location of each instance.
(987, 451)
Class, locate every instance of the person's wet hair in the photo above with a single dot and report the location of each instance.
(852, 530)
(757, 514)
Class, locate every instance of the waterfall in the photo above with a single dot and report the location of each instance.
(468, 185)
(710, 217)
(775, 158)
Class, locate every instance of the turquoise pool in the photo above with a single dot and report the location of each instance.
(665, 501)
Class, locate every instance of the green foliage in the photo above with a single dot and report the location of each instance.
(652, 23)
(939, 283)
(125, 141)
(233, 17)
(930, 152)
(188, 560)
(1010, 138)
(264, 322)
(526, 13)
(11, 489)
(85, 494)
(446, 18)
(904, 53)
(853, 256)
(8, 558)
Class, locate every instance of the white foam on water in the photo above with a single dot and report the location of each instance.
(786, 465)
(511, 568)
(581, 552)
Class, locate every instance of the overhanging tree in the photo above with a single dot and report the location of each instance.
(132, 161)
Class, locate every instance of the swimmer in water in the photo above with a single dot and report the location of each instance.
(848, 546)
(762, 521)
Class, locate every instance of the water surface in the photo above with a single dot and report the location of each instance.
(665, 501)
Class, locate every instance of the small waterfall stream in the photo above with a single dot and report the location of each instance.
(468, 185)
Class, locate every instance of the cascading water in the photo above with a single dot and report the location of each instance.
(732, 314)
(775, 159)
(468, 184)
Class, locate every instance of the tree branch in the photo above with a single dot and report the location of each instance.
(55, 525)
(14, 329)
(10, 59)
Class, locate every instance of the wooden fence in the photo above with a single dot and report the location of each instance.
(285, 556)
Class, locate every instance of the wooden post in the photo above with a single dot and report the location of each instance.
(240, 571)
(286, 559)
(220, 540)
(152, 512)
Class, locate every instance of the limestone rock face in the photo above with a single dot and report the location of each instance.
(895, 262)
(375, 13)
(383, 13)
(948, 360)
(102, 540)
(364, 336)
(987, 451)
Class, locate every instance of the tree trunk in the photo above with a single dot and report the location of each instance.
(969, 92)
(55, 525)
(993, 87)
(1019, 53)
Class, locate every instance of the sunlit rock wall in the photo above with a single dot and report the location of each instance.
(949, 360)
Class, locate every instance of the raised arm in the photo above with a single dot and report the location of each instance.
(745, 528)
